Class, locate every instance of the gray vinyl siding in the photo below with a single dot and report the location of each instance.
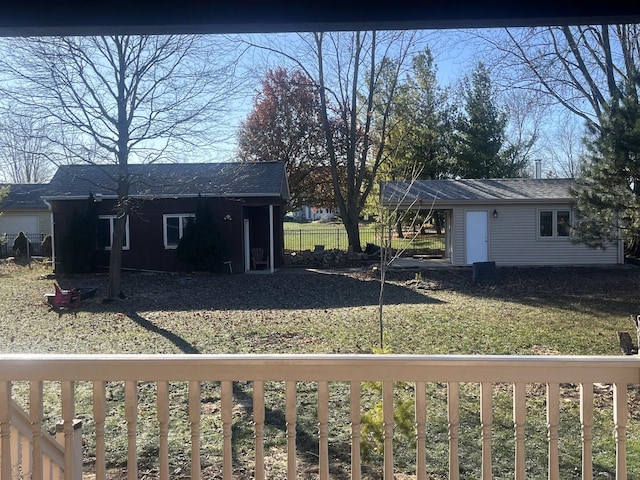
(43, 220)
(513, 239)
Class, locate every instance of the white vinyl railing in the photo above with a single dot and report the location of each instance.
(34, 454)
(621, 373)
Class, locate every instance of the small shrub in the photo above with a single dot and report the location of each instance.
(46, 246)
(21, 246)
(201, 246)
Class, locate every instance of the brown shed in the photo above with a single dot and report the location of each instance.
(247, 201)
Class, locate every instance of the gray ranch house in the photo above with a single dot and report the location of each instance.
(23, 210)
(247, 201)
(512, 222)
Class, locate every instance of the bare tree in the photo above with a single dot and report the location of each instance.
(121, 100)
(580, 68)
(564, 147)
(25, 149)
(356, 74)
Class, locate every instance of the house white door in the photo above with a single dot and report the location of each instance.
(476, 237)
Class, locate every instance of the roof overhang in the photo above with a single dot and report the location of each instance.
(449, 204)
(166, 196)
(195, 16)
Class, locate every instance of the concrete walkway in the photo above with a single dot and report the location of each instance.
(410, 262)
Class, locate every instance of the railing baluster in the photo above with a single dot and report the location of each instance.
(226, 400)
(519, 418)
(194, 420)
(131, 418)
(35, 417)
(258, 422)
(5, 430)
(421, 431)
(486, 424)
(68, 412)
(453, 412)
(291, 419)
(620, 414)
(355, 418)
(99, 416)
(15, 453)
(323, 429)
(553, 422)
(387, 421)
(586, 428)
(26, 459)
(162, 393)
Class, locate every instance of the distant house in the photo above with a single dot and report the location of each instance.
(247, 201)
(312, 214)
(520, 221)
(23, 210)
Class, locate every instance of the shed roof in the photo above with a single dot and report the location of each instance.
(24, 196)
(475, 191)
(239, 179)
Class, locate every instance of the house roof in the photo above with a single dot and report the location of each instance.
(260, 179)
(24, 196)
(475, 191)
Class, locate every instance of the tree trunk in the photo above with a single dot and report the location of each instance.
(350, 221)
(115, 257)
(119, 231)
(399, 228)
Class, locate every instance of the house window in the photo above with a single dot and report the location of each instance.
(554, 223)
(174, 225)
(106, 224)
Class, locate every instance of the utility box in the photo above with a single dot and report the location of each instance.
(484, 273)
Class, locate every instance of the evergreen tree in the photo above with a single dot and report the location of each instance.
(201, 246)
(420, 139)
(608, 189)
(79, 244)
(481, 148)
(419, 143)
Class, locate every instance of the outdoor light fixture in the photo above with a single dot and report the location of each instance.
(495, 213)
(227, 217)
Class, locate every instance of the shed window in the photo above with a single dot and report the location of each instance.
(174, 225)
(106, 224)
(554, 223)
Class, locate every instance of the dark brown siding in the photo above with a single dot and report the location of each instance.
(146, 241)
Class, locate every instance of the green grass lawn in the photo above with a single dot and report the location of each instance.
(306, 235)
(529, 311)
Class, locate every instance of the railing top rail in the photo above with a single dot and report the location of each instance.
(321, 367)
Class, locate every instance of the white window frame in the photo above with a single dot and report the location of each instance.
(554, 223)
(112, 220)
(181, 216)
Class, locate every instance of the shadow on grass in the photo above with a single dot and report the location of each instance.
(280, 291)
(181, 343)
(607, 290)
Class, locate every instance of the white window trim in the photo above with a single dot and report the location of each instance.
(180, 227)
(554, 224)
(112, 219)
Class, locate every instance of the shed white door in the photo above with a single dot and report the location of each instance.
(476, 237)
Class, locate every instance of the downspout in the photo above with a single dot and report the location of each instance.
(271, 249)
(53, 246)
